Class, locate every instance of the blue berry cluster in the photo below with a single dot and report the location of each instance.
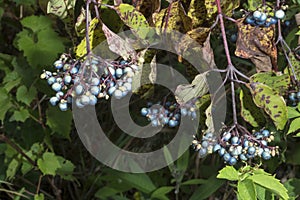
(261, 18)
(233, 148)
(168, 114)
(89, 80)
(294, 98)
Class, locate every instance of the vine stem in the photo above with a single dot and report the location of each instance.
(230, 67)
(87, 25)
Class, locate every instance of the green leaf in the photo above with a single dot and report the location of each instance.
(66, 169)
(161, 192)
(39, 42)
(60, 122)
(270, 183)
(247, 108)
(279, 83)
(133, 18)
(141, 182)
(169, 159)
(20, 116)
(60, 8)
(226, 5)
(260, 192)
(246, 190)
(39, 196)
(294, 126)
(194, 182)
(5, 103)
(26, 96)
(106, 192)
(12, 168)
(197, 88)
(205, 190)
(24, 2)
(272, 103)
(48, 164)
(293, 187)
(229, 173)
(292, 112)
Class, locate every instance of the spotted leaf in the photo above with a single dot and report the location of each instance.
(280, 83)
(257, 44)
(227, 7)
(133, 18)
(272, 103)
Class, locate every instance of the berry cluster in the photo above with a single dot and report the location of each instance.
(262, 18)
(233, 148)
(89, 80)
(294, 98)
(168, 114)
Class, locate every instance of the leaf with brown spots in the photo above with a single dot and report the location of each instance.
(272, 103)
(96, 36)
(197, 12)
(178, 20)
(133, 18)
(280, 83)
(257, 44)
(118, 45)
(227, 7)
(147, 8)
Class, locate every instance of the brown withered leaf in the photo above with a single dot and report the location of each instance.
(258, 45)
(178, 20)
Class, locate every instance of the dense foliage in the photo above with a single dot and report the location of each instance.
(50, 61)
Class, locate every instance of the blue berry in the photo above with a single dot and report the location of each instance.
(63, 106)
(250, 20)
(154, 123)
(226, 136)
(93, 100)
(95, 81)
(172, 123)
(266, 133)
(74, 70)
(111, 90)
(257, 14)
(243, 157)
(58, 64)
(216, 147)
(251, 150)
(233, 37)
(84, 100)
(51, 80)
(53, 101)
(263, 17)
(56, 86)
(183, 111)
(119, 72)
(78, 103)
(67, 79)
(79, 89)
(273, 20)
(234, 140)
(221, 151)
(266, 155)
(118, 94)
(232, 161)
(279, 14)
(95, 90)
(226, 156)
(202, 152)
(144, 112)
(204, 144)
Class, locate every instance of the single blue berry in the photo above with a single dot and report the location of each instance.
(95, 81)
(251, 150)
(79, 89)
(56, 86)
(144, 111)
(226, 156)
(266, 133)
(93, 100)
(53, 101)
(67, 79)
(257, 14)
(63, 106)
(216, 147)
(279, 14)
(95, 90)
(51, 80)
(232, 161)
(235, 140)
(266, 155)
(58, 64)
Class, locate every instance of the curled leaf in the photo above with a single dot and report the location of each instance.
(197, 88)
